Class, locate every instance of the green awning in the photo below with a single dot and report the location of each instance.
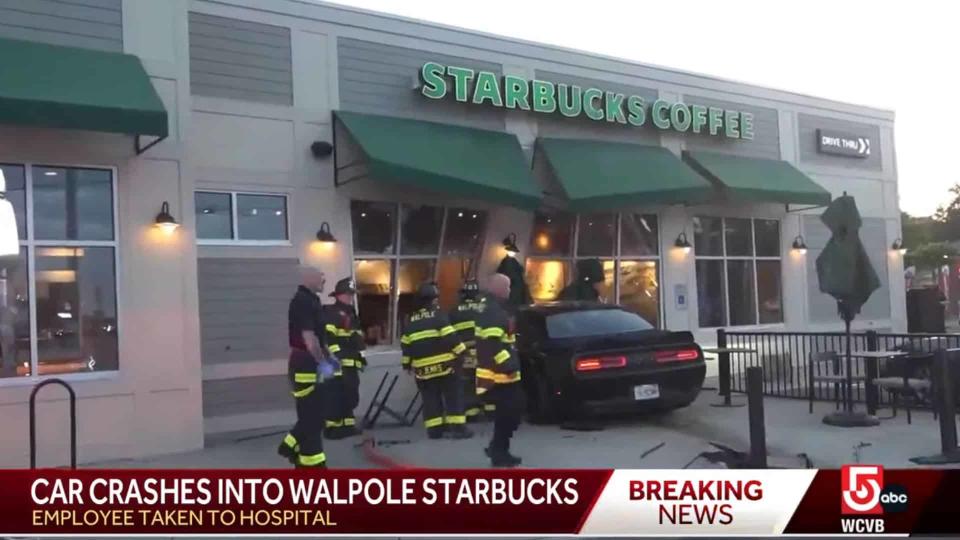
(599, 175)
(757, 180)
(466, 162)
(66, 87)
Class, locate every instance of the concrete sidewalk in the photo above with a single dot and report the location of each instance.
(670, 440)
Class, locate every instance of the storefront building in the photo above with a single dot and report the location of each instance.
(419, 149)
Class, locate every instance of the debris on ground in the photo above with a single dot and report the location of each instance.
(652, 450)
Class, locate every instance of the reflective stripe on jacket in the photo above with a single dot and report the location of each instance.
(344, 336)
(463, 318)
(430, 343)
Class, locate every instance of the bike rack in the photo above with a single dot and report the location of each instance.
(33, 421)
(376, 407)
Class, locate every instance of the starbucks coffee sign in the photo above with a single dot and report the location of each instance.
(573, 101)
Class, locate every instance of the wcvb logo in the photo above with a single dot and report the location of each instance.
(863, 492)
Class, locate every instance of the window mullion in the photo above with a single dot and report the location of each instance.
(31, 275)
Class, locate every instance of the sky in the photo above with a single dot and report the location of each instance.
(901, 56)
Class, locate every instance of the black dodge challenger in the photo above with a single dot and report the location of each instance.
(582, 357)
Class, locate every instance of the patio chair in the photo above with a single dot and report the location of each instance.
(904, 385)
(835, 374)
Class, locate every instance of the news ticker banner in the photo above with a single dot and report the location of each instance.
(858, 499)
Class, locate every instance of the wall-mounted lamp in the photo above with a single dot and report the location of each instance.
(799, 245)
(510, 245)
(324, 235)
(898, 246)
(321, 149)
(164, 220)
(682, 243)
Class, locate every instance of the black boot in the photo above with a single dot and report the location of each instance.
(458, 432)
(504, 459)
(287, 453)
(334, 433)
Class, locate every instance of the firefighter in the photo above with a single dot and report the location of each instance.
(498, 370)
(309, 359)
(345, 339)
(463, 318)
(433, 352)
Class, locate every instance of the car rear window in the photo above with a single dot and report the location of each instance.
(594, 322)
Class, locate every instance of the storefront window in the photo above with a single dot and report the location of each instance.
(420, 229)
(547, 277)
(374, 227)
(640, 289)
(436, 244)
(597, 235)
(639, 235)
(373, 278)
(214, 215)
(261, 217)
(607, 289)
(738, 280)
(16, 193)
(552, 234)
(68, 256)
(72, 204)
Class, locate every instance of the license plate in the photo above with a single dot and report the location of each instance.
(646, 391)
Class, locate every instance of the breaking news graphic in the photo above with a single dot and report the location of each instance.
(862, 499)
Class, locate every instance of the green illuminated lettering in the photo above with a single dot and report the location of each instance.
(592, 110)
(515, 93)
(715, 119)
(461, 81)
(487, 89)
(613, 104)
(659, 114)
(569, 102)
(434, 85)
(637, 109)
(731, 124)
(680, 117)
(699, 113)
(746, 126)
(544, 100)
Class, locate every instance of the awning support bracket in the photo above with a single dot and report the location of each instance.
(337, 182)
(140, 149)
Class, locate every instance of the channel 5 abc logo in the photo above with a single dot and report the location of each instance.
(863, 492)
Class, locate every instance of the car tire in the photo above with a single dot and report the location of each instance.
(543, 408)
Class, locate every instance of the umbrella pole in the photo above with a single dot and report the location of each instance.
(848, 398)
(848, 417)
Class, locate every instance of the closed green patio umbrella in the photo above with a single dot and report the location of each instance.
(845, 273)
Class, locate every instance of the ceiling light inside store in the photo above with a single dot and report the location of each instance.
(50, 173)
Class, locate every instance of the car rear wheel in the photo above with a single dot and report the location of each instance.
(543, 407)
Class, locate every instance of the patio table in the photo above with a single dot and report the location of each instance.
(871, 359)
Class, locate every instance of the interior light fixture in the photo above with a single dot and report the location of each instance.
(9, 238)
(898, 246)
(799, 245)
(164, 220)
(682, 243)
(324, 235)
(510, 245)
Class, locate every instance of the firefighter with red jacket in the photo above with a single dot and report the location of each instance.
(498, 370)
(432, 350)
(345, 340)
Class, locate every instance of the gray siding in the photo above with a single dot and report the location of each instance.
(240, 60)
(808, 126)
(766, 131)
(228, 397)
(873, 234)
(243, 308)
(379, 79)
(91, 24)
(557, 125)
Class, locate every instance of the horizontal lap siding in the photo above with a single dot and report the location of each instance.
(243, 308)
(240, 60)
(228, 397)
(379, 79)
(556, 125)
(808, 126)
(873, 234)
(766, 131)
(90, 24)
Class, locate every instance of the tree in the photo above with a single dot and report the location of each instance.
(947, 217)
(918, 230)
(931, 255)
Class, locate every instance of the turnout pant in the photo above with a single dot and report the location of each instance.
(306, 436)
(442, 403)
(509, 402)
(471, 402)
(343, 398)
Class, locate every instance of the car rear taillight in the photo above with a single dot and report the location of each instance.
(602, 362)
(680, 355)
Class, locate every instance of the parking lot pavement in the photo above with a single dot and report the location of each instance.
(669, 440)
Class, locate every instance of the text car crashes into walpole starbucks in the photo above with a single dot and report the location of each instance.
(572, 101)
